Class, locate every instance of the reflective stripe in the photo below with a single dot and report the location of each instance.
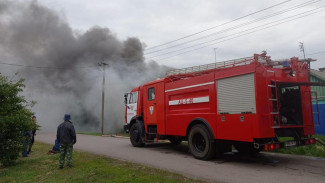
(189, 101)
(191, 86)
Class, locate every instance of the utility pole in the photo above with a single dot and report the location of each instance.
(215, 56)
(103, 64)
(302, 49)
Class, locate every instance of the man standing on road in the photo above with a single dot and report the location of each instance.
(66, 136)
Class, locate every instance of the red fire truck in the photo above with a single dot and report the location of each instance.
(247, 103)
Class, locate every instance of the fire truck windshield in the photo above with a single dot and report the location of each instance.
(131, 98)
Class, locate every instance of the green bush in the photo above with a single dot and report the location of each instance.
(15, 119)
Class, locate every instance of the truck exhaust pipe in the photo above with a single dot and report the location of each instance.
(256, 145)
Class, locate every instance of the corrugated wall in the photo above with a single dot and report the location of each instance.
(320, 89)
(319, 125)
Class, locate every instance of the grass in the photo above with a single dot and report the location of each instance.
(317, 150)
(100, 134)
(40, 167)
(90, 133)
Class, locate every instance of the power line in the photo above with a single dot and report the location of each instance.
(238, 26)
(315, 53)
(241, 34)
(213, 40)
(232, 38)
(42, 67)
(190, 35)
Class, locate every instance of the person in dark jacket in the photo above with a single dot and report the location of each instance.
(26, 141)
(66, 136)
(33, 133)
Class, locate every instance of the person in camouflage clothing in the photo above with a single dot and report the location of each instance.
(66, 136)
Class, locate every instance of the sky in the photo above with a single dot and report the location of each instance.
(156, 22)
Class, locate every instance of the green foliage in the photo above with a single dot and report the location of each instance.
(15, 119)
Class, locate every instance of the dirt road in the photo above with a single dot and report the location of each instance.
(232, 167)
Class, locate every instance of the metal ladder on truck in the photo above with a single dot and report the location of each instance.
(273, 103)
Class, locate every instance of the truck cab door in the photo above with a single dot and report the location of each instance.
(154, 106)
(151, 105)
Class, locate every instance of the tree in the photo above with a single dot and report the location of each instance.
(15, 119)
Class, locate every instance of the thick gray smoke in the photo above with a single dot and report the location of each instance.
(34, 35)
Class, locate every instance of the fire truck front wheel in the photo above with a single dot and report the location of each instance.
(201, 142)
(136, 132)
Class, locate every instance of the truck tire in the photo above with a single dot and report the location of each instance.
(201, 142)
(246, 148)
(175, 140)
(136, 135)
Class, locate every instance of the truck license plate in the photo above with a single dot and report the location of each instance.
(290, 143)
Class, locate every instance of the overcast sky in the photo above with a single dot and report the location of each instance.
(158, 21)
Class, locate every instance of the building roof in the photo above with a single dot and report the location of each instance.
(318, 74)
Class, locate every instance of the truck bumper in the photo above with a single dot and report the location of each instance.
(287, 144)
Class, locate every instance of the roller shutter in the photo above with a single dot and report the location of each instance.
(236, 95)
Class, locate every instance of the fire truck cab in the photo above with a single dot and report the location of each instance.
(247, 103)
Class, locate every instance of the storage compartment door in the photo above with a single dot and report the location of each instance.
(236, 95)
(236, 107)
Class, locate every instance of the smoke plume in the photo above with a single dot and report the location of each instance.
(68, 79)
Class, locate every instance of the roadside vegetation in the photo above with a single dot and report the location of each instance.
(317, 150)
(15, 120)
(40, 167)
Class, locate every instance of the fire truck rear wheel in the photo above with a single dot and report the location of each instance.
(201, 142)
(136, 132)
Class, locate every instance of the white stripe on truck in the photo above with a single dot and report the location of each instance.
(189, 101)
